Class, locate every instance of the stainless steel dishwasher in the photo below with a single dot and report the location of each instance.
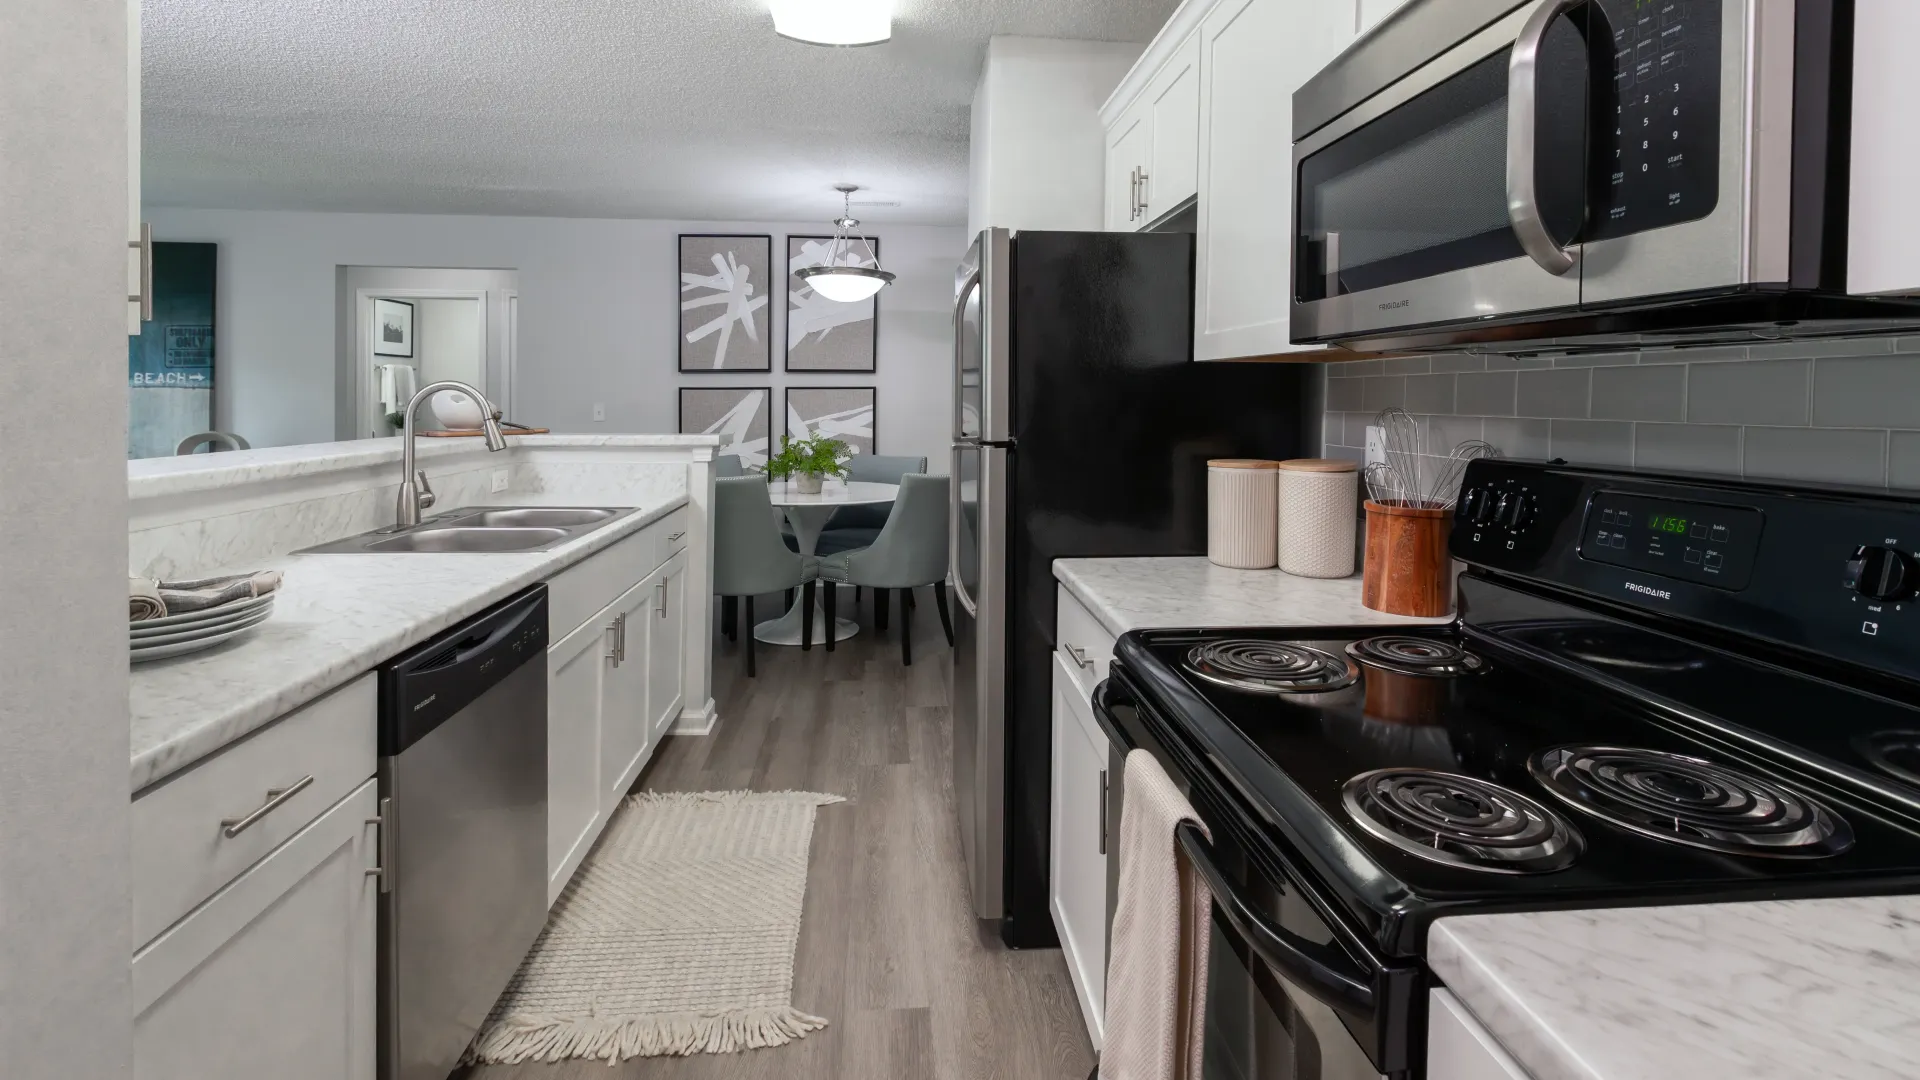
(463, 795)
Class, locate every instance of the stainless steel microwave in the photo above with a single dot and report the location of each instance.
(1486, 173)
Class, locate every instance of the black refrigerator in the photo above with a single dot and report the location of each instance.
(1082, 428)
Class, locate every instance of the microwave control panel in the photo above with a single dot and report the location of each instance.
(1657, 139)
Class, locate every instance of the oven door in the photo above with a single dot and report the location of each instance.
(1457, 193)
(1291, 995)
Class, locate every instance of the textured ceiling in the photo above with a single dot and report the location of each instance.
(603, 108)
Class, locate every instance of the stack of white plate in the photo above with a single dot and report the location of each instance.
(177, 635)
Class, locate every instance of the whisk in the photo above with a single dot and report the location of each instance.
(1404, 478)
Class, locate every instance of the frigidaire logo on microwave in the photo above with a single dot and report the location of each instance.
(1644, 590)
(1392, 304)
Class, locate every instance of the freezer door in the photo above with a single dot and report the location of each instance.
(979, 565)
(982, 379)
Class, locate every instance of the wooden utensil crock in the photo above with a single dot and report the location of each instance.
(1408, 570)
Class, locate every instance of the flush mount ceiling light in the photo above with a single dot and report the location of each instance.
(834, 22)
(847, 275)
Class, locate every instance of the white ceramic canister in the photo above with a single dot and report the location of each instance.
(1242, 496)
(1318, 500)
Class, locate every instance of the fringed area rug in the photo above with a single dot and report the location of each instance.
(675, 937)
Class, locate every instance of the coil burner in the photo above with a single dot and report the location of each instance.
(1460, 821)
(1270, 667)
(1690, 801)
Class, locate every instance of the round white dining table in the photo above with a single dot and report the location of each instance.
(809, 514)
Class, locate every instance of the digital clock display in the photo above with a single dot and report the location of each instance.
(1667, 523)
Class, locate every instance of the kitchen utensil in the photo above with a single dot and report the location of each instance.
(1408, 570)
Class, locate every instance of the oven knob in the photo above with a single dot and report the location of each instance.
(1514, 512)
(1479, 508)
(1880, 573)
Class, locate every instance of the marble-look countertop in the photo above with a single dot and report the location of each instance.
(1771, 990)
(1133, 594)
(337, 617)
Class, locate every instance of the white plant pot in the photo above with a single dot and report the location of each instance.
(807, 483)
(457, 411)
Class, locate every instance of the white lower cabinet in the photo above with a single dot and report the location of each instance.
(275, 974)
(615, 685)
(1077, 873)
(1458, 1048)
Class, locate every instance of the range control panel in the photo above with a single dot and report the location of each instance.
(1830, 572)
(1657, 147)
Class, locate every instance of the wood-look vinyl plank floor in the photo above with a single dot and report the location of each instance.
(889, 951)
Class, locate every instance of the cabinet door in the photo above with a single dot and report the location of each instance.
(1173, 101)
(625, 730)
(1884, 216)
(274, 975)
(1372, 11)
(1458, 1048)
(1253, 55)
(666, 648)
(1129, 143)
(135, 274)
(1078, 873)
(576, 685)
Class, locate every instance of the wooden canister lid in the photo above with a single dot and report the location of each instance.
(1329, 465)
(1241, 463)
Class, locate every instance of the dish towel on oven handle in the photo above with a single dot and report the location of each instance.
(1157, 971)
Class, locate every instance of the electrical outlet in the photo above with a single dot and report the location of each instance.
(1376, 445)
(599, 413)
(499, 481)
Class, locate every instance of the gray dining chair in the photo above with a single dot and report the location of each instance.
(859, 526)
(727, 466)
(911, 551)
(749, 560)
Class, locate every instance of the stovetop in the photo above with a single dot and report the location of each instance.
(1557, 762)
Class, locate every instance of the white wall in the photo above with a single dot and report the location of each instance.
(598, 317)
(1038, 155)
(65, 931)
(449, 342)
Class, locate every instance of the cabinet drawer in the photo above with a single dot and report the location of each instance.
(1084, 644)
(673, 533)
(181, 851)
(578, 593)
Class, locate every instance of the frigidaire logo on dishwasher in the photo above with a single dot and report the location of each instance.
(1645, 590)
(430, 699)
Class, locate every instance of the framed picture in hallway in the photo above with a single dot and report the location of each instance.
(744, 412)
(725, 283)
(393, 328)
(840, 412)
(823, 334)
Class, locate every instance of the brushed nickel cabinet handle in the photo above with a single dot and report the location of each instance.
(661, 606)
(276, 798)
(385, 857)
(675, 536)
(1103, 811)
(144, 246)
(1079, 656)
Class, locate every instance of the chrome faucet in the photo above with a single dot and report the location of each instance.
(417, 497)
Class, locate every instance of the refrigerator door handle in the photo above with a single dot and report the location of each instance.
(967, 287)
(953, 535)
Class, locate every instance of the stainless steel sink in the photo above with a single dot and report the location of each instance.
(458, 538)
(534, 516)
(480, 530)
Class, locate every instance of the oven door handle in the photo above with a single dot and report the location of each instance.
(1523, 92)
(1278, 949)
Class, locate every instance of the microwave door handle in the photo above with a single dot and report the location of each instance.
(1283, 952)
(1523, 94)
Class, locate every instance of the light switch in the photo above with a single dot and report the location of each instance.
(599, 412)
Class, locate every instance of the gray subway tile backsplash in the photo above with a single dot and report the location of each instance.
(1816, 454)
(1656, 393)
(1554, 394)
(1770, 392)
(1843, 411)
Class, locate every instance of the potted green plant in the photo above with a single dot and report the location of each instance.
(808, 461)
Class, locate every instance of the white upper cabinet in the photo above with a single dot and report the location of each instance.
(1372, 11)
(1173, 104)
(1884, 215)
(1129, 144)
(138, 252)
(1253, 55)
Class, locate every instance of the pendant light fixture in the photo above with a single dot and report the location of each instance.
(834, 22)
(846, 275)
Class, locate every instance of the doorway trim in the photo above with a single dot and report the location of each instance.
(364, 418)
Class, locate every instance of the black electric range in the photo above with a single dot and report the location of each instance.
(1658, 690)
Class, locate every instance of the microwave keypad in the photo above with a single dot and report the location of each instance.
(1657, 150)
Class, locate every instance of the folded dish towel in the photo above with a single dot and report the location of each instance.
(149, 599)
(1157, 972)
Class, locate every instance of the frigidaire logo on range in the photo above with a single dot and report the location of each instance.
(1657, 594)
(1392, 304)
